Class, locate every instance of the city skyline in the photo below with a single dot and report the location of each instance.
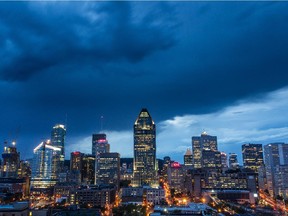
(214, 66)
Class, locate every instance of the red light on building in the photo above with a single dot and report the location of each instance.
(76, 153)
(101, 140)
(175, 165)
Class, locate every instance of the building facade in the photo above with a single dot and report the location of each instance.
(99, 144)
(233, 161)
(108, 168)
(205, 152)
(252, 155)
(188, 159)
(175, 173)
(58, 134)
(82, 168)
(276, 158)
(144, 164)
(11, 161)
(98, 196)
(43, 175)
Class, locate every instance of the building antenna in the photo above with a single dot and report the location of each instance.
(66, 120)
(101, 123)
(5, 144)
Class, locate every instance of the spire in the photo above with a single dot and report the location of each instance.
(204, 133)
(144, 118)
(188, 152)
(144, 113)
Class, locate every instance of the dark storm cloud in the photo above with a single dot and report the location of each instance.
(87, 59)
(37, 36)
(236, 50)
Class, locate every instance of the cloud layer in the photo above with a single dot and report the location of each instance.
(72, 62)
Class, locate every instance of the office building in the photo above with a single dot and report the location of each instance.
(188, 159)
(100, 144)
(262, 180)
(11, 161)
(76, 161)
(233, 161)
(175, 174)
(142, 195)
(43, 175)
(208, 145)
(82, 168)
(75, 167)
(58, 134)
(97, 196)
(224, 161)
(276, 160)
(145, 165)
(108, 169)
(88, 169)
(197, 152)
(252, 155)
(211, 159)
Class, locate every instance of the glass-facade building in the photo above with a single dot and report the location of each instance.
(43, 169)
(108, 168)
(99, 144)
(276, 161)
(252, 155)
(204, 147)
(58, 134)
(144, 164)
(188, 159)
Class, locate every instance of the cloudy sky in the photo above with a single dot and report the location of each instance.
(214, 66)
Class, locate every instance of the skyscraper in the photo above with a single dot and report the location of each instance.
(82, 168)
(43, 175)
(11, 161)
(211, 159)
(205, 153)
(252, 156)
(276, 160)
(58, 134)
(188, 159)
(99, 144)
(88, 169)
(197, 152)
(108, 168)
(144, 164)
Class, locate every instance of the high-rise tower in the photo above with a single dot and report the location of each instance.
(43, 171)
(58, 134)
(205, 153)
(252, 156)
(100, 144)
(188, 159)
(11, 161)
(144, 164)
(276, 162)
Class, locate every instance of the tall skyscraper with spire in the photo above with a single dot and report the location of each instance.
(58, 134)
(144, 164)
